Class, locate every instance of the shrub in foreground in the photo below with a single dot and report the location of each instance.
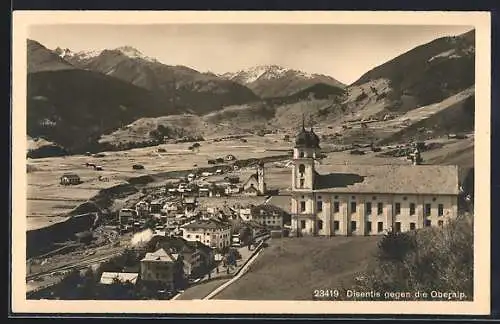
(430, 259)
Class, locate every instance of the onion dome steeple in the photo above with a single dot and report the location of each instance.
(306, 139)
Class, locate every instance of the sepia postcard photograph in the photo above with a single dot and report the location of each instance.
(251, 162)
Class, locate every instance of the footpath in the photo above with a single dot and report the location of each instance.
(234, 273)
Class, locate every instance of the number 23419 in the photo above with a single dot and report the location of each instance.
(326, 293)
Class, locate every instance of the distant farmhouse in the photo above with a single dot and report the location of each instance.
(367, 200)
(70, 179)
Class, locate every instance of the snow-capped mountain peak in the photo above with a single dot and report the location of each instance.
(134, 53)
(82, 55)
(264, 72)
(128, 51)
(85, 55)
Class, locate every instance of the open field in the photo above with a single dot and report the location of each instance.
(459, 152)
(319, 262)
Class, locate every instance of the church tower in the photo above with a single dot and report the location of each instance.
(303, 206)
(261, 183)
(304, 154)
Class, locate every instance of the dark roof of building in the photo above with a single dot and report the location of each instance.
(199, 245)
(160, 256)
(178, 244)
(404, 179)
(267, 209)
(70, 175)
(206, 224)
(254, 224)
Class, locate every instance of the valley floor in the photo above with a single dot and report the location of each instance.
(49, 202)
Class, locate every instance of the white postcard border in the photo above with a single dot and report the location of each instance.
(479, 20)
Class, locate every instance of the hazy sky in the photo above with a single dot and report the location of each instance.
(344, 52)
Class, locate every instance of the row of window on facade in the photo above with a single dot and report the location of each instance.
(380, 225)
(274, 221)
(212, 244)
(213, 236)
(213, 230)
(380, 208)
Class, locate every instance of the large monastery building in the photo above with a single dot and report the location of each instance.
(367, 199)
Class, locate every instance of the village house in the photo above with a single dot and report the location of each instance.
(190, 201)
(142, 209)
(126, 216)
(268, 215)
(203, 192)
(232, 189)
(245, 214)
(160, 267)
(192, 258)
(216, 192)
(171, 207)
(257, 229)
(155, 207)
(190, 206)
(70, 179)
(210, 232)
(207, 255)
(367, 199)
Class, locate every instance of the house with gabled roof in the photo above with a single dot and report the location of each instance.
(162, 267)
(70, 179)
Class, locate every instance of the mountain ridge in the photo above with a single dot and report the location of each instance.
(269, 81)
(215, 104)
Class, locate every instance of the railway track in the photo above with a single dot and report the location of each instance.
(73, 266)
